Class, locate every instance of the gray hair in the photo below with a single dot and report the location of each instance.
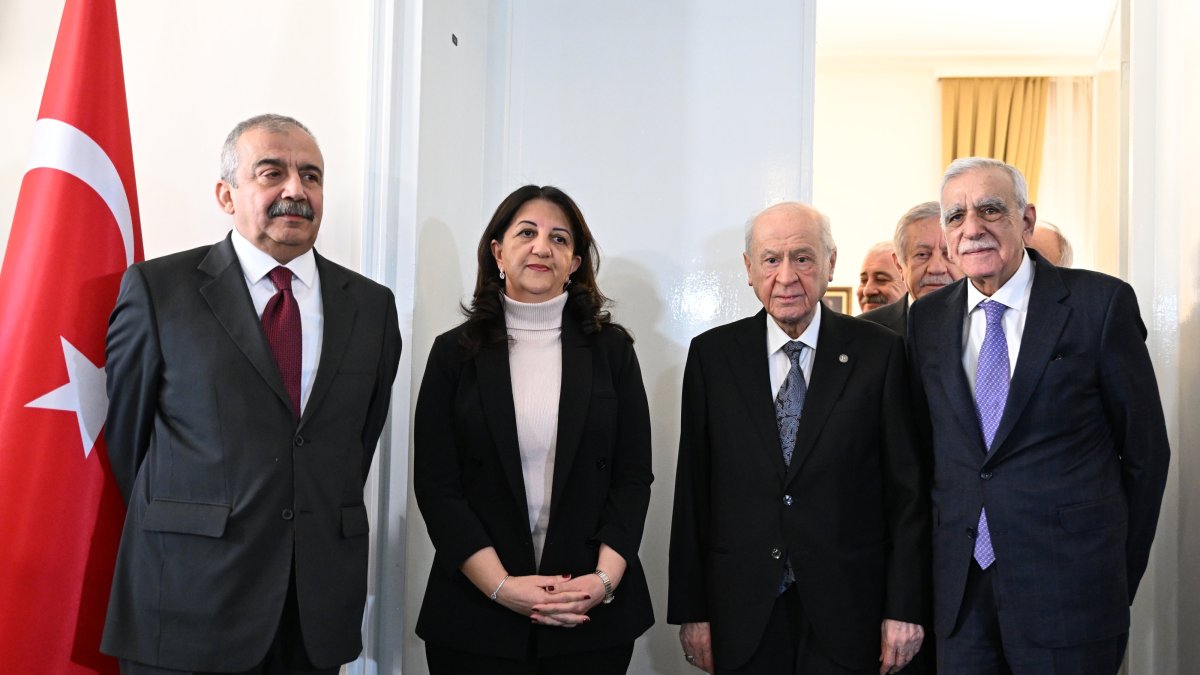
(881, 247)
(827, 241)
(964, 164)
(922, 211)
(1068, 256)
(269, 121)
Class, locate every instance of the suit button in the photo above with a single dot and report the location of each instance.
(971, 532)
(287, 514)
(298, 440)
(601, 463)
(775, 553)
(787, 500)
(985, 475)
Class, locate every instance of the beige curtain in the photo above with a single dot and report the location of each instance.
(1067, 186)
(999, 117)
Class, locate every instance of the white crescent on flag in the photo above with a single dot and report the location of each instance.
(58, 145)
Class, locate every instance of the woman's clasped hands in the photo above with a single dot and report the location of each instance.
(553, 600)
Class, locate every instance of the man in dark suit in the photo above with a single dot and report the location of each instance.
(922, 257)
(248, 383)
(1049, 446)
(800, 524)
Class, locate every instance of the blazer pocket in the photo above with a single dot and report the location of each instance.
(1093, 515)
(354, 521)
(168, 515)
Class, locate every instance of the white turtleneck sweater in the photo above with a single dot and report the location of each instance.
(535, 367)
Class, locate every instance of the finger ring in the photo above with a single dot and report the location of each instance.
(689, 657)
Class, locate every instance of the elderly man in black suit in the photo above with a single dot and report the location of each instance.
(248, 383)
(1049, 445)
(921, 255)
(800, 525)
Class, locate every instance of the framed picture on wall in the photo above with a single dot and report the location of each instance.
(837, 298)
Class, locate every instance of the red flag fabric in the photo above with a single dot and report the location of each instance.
(74, 232)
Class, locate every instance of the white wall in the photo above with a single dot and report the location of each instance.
(668, 137)
(192, 71)
(1160, 245)
(877, 150)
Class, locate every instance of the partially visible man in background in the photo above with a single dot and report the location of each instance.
(880, 282)
(1049, 240)
(922, 257)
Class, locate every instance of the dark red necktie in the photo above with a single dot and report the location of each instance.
(281, 323)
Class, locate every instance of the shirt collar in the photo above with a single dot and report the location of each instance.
(1014, 294)
(776, 338)
(256, 264)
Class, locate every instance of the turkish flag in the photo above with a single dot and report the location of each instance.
(74, 232)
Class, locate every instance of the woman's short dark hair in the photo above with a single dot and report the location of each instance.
(585, 303)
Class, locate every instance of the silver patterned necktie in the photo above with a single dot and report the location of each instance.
(790, 401)
(991, 393)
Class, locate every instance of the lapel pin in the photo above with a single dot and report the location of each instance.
(843, 358)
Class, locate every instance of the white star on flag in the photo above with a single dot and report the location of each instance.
(83, 394)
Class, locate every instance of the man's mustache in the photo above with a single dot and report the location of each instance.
(936, 280)
(290, 207)
(971, 245)
(877, 299)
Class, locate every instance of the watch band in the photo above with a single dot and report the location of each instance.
(608, 589)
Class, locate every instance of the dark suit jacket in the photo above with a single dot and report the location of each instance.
(893, 316)
(471, 492)
(223, 485)
(850, 512)
(1076, 471)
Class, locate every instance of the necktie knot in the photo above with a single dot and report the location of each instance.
(993, 311)
(281, 277)
(793, 349)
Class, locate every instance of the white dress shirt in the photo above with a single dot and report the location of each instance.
(1014, 294)
(778, 361)
(306, 287)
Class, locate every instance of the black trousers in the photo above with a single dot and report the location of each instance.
(985, 643)
(789, 646)
(286, 655)
(607, 661)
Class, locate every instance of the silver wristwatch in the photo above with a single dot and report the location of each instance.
(608, 589)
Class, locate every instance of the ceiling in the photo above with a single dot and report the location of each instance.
(944, 28)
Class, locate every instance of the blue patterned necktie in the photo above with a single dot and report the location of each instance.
(991, 393)
(790, 401)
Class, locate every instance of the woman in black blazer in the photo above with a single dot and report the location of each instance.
(533, 463)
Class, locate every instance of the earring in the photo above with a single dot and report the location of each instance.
(501, 274)
(568, 284)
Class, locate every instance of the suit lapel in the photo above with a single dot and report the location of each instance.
(229, 300)
(495, 388)
(947, 352)
(338, 309)
(1043, 325)
(751, 372)
(900, 316)
(829, 376)
(573, 402)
